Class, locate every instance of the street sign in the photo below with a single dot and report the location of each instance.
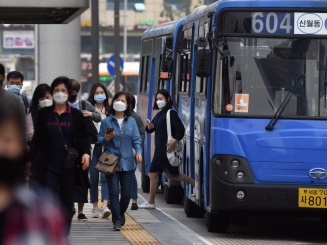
(111, 87)
(111, 65)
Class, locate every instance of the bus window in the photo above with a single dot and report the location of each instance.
(184, 62)
(145, 74)
(162, 78)
(142, 75)
(200, 82)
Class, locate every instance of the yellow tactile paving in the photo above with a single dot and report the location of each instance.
(135, 233)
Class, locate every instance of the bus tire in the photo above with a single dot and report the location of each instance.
(192, 210)
(217, 222)
(145, 180)
(173, 194)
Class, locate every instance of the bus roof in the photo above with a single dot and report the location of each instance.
(273, 4)
(161, 30)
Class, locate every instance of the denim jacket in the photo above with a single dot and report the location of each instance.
(132, 140)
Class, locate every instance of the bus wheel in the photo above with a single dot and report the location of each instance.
(217, 222)
(173, 194)
(145, 180)
(192, 210)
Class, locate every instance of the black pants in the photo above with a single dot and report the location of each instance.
(63, 186)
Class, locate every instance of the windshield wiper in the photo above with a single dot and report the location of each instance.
(285, 102)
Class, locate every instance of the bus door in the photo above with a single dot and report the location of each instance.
(144, 100)
(181, 97)
(200, 113)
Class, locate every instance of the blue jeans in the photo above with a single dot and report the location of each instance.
(119, 207)
(94, 177)
(134, 187)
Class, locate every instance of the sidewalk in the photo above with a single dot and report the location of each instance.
(94, 231)
(143, 226)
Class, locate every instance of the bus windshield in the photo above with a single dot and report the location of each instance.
(254, 75)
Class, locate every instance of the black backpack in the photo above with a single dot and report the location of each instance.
(93, 132)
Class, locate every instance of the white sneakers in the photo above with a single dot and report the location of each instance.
(105, 212)
(95, 213)
(147, 205)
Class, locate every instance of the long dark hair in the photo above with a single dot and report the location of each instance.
(91, 96)
(116, 96)
(132, 101)
(40, 91)
(166, 94)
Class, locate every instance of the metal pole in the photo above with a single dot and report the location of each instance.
(95, 40)
(36, 56)
(117, 47)
(125, 30)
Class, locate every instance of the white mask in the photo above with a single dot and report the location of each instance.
(119, 106)
(45, 103)
(60, 98)
(161, 103)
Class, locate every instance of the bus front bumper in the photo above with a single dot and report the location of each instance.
(260, 197)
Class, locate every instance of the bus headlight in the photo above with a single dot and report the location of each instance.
(235, 163)
(240, 175)
(240, 195)
(231, 168)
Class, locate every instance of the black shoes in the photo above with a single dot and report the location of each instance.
(117, 226)
(122, 220)
(82, 217)
(134, 206)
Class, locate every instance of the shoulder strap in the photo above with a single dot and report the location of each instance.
(61, 133)
(122, 139)
(168, 125)
(27, 106)
(83, 104)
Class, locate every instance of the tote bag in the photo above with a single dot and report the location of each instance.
(175, 156)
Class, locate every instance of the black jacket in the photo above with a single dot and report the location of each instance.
(40, 146)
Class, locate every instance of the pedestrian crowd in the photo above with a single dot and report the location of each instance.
(50, 145)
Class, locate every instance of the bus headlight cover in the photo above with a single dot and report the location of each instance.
(218, 162)
(235, 163)
(240, 175)
(240, 195)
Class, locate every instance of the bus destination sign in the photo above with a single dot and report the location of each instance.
(274, 23)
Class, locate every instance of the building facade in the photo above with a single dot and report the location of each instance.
(134, 19)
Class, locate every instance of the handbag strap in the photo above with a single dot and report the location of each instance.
(170, 137)
(61, 133)
(122, 139)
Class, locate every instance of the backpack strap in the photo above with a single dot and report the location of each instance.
(83, 104)
(27, 106)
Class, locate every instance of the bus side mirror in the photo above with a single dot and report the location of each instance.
(203, 64)
(166, 68)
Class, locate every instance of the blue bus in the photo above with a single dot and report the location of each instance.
(156, 63)
(249, 81)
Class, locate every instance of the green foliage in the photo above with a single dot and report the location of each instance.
(183, 9)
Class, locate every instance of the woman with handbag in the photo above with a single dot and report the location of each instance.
(160, 162)
(98, 97)
(120, 135)
(62, 142)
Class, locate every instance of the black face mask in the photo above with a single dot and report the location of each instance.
(11, 171)
(72, 98)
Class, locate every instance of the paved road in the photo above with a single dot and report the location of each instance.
(169, 225)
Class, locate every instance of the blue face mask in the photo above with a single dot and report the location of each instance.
(74, 105)
(15, 89)
(100, 98)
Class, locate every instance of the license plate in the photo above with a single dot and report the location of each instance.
(312, 198)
